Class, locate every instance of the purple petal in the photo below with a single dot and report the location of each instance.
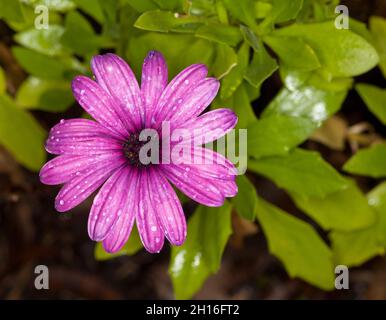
(154, 81)
(148, 226)
(99, 104)
(176, 90)
(112, 200)
(194, 102)
(168, 208)
(211, 125)
(120, 232)
(115, 76)
(198, 188)
(79, 188)
(81, 136)
(66, 167)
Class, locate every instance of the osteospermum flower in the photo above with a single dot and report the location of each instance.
(105, 152)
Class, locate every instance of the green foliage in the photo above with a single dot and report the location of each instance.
(368, 162)
(297, 245)
(247, 44)
(200, 255)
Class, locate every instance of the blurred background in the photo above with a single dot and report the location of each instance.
(33, 233)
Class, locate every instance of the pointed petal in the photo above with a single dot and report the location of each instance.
(81, 136)
(78, 189)
(168, 208)
(66, 167)
(200, 189)
(115, 76)
(154, 81)
(210, 126)
(148, 226)
(120, 231)
(176, 90)
(99, 104)
(110, 203)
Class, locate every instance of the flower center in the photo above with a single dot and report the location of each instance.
(131, 149)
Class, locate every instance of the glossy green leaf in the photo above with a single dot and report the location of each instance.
(261, 67)
(368, 162)
(301, 171)
(234, 78)
(220, 33)
(342, 53)
(38, 64)
(242, 10)
(277, 134)
(79, 36)
(245, 202)
(54, 5)
(355, 248)
(297, 245)
(45, 41)
(11, 10)
(308, 102)
(378, 31)
(225, 61)
(284, 10)
(293, 52)
(375, 99)
(164, 21)
(3, 81)
(131, 247)
(47, 95)
(21, 135)
(200, 255)
(344, 210)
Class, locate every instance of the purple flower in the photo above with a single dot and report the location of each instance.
(105, 152)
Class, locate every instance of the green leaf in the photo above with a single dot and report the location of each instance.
(375, 99)
(142, 5)
(301, 171)
(220, 33)
(378, 30)
(251, 38)
(54, 5)
(368, 162)
(355, 248)
(308, 102)
(234, 78)
(242, 10)
(92, 8)
(3, 82)
(284, 10)
(46, 95)
(261, 67)
(200, 255)
(45, 41)
(342, 53)
(297, 245)
(11, 10)
(169, 4)
(344, 210)
(38, 64)
(262, 9)
(293, 52)
(21, 135)
(245, 202)
(277, 135)
(79, 36)
(164, 21)
(225, 61)
(131, 247)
